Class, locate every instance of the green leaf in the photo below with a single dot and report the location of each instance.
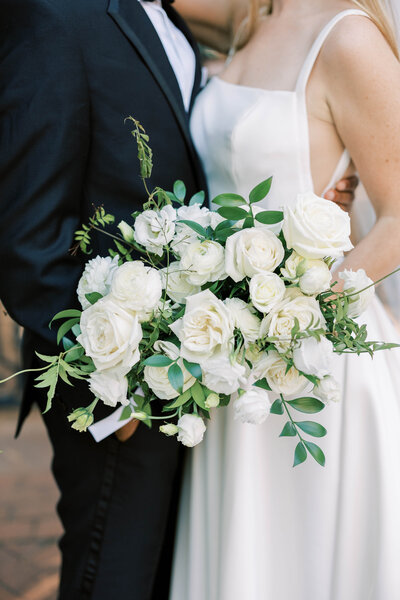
(179, 189)
(234, 213)
(198, 395)
(65, 327)
(126, 413)
(65, 314)
(180, 401)
(263, 383)
(248, 223)
(312, 428)
(175, 376)
(269, 217)
(229, 200)
(316, 453)
(46, 358)
(93, 297)
(193, 368)
(67, 343)
(260, 191)
(289, 430)
(158, 360)
(307, 405)
(195, 226)
(197, 198)
(76, 330)
(277, 407)
(300, 454)
(74, 354)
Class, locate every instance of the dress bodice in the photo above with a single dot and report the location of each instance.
(246, 134)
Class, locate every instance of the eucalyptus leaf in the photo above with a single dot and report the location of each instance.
(316, 453)
(197, 198)
(158, 360)
(260, 191)
(193, 368)
(300, 454)
(175, 377)
(307, 405)
(180, 190)
(229, 200)
(314, 429)
(269, 217)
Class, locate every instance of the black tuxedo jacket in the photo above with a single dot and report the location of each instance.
(70, 72)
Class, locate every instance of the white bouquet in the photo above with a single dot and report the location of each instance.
(200, 308)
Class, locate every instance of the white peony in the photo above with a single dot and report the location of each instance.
(155, 229)
(281, 320)
(251, 251)
(110, 386)
(273, 368)
(353, 282)
(110, 335)
(185, 235)
(314, 357)
(96, 277)
(223, 376)
(294, 267)
(157, 377)
(328, 390)
(316, 278)
(245, 319)
(267, 290)
(203, 262)
(176, 284)
(137, 288)
(191, 430)
(253, 406)
(316, 228)
(205, 329)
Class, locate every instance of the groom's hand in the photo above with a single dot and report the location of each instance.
(344, 192)
(127, 430)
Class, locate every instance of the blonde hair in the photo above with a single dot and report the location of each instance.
(377, 10)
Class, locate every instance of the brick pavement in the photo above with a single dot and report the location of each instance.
(29, 527)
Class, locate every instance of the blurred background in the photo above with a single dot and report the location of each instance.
(29, 527)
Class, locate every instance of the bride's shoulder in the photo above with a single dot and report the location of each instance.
(356, 46)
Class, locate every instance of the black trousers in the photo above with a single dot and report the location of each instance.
(118, 508)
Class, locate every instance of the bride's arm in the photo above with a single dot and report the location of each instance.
(213, 22)
(362, 78)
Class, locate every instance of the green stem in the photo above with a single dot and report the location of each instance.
(368, 286)
(47, 366)
(291, 420)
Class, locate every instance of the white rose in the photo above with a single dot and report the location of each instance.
(96, 277)
(281, 320)
(316, 228)
(137, 288)
(253, 406)
(110, 386)
(205, 329)
(294, 267)
(110, 335)
(185, 235)
(177, 285)
(314, 357)
(316, 279)
(203, 262)
(251, 251)
(245, 319)
(353, 282)
(155, 229)
(157, 380)
(273, 368)
(222, 376)
(266, 291)
(191, 430)
(328, 390)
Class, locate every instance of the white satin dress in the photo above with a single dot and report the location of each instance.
(250, 526)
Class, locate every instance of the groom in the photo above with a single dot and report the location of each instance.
(70, 71)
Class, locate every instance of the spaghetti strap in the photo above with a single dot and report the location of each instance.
(317, 46)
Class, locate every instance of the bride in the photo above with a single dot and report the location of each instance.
(313, 94)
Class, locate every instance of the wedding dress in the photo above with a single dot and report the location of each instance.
(250, 526)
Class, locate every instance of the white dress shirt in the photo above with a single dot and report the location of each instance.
(182, 59)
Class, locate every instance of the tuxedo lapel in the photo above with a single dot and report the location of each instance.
(136, 26)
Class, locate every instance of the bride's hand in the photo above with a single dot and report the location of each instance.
(127, 430)
(344, 192)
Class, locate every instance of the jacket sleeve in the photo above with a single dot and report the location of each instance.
(44, 143)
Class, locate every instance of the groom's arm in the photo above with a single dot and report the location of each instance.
(44, 141)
